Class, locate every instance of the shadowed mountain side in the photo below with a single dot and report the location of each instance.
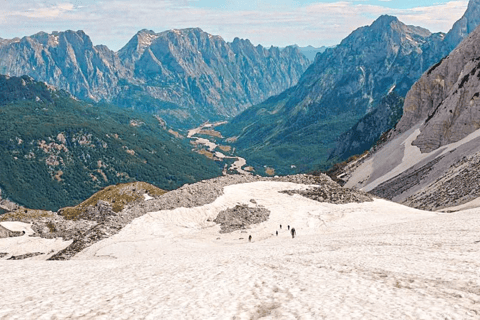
(366, 132)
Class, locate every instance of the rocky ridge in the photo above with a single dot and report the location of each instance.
(185, 76)
(457, 186)
(446, 99)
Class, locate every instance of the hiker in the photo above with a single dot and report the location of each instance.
(288, 227)
(293, 232)
(280, 226)
(250, 238)
(276, 232)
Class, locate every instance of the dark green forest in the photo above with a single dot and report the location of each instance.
(56, 151)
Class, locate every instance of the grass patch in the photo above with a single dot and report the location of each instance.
(117, 195)
(206, 153)
(25, 215)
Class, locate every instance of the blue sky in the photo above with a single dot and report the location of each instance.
(269, 22)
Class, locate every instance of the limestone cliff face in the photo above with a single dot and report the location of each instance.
(463, 27)
(433, 50)
(67, 60)
(431, 160)
(447, 98)
(204, 76)
(186, 76)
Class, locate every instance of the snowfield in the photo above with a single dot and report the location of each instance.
(374, 260)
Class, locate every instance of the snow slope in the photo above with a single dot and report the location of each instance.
(25, 244)
(376, 260)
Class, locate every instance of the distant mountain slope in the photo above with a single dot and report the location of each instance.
(202, 76)
(437, 47)
(185, 76)
(315, 123)
(300, 126)
(366, 132)
(431, 160)
(310, 51)
(56, 151)
(67, 60)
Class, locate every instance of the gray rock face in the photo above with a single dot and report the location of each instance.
(458, 185)
(345, 84)
(441, 109)
(185, 76)
(67, 60)
(447, 98)
(463, 27)
(241, 217)
(204, 76)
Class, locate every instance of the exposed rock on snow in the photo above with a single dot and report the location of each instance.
(25, 256)
(5, 233)
(241, 217)
(336, 196)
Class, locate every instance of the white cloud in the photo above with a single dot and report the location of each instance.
(115, 22)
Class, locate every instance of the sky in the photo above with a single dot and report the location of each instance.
(270, 22)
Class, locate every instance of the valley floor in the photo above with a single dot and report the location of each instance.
(374, 260)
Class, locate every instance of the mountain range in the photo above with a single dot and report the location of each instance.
(184, 76)
(431, 159)
(317, 122)
(348, 100)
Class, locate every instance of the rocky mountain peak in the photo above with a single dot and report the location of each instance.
(385, 21)
(137, 45)
(463, 27)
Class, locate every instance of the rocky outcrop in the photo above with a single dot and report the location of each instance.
(241, 217)
(447, 98)
(5, 233)
(185, 76)
(336, 196)
(25, 256)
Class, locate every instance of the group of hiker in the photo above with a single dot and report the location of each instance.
(292, 232)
